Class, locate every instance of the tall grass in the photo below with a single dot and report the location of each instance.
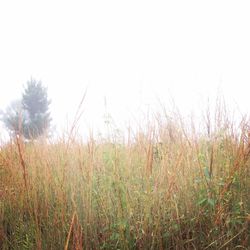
(168, 186)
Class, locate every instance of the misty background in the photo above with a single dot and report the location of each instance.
(128, 55)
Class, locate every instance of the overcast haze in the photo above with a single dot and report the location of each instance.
(131, 52)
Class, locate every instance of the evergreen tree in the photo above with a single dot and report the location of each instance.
(29, 117)
(36, 104)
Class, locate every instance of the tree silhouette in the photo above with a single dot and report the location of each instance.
(13, 117)
(35, 102)
(29, 117)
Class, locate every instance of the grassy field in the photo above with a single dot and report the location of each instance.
(166, 186)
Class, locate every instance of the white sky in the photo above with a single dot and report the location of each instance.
(131, 52)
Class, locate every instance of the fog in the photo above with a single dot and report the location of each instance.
(129, 56)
